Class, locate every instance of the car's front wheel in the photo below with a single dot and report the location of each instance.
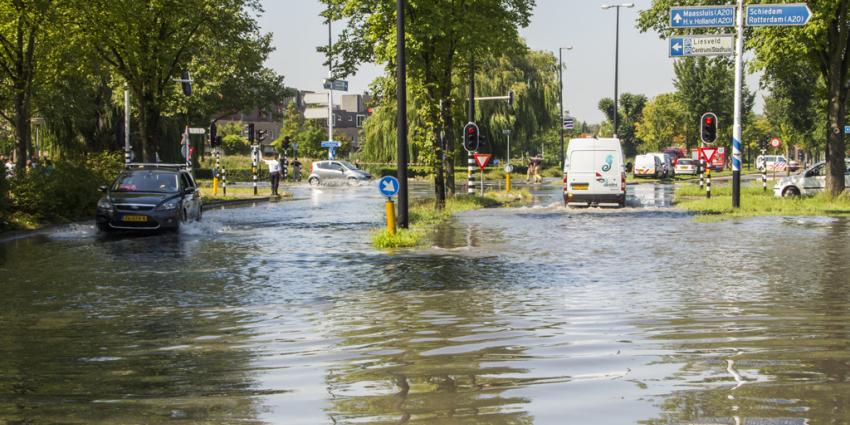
(314, 181)
(790, 192)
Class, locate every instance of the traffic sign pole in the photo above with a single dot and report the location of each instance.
(736, 128)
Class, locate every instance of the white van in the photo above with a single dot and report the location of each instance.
(648, 165)
(594, 172)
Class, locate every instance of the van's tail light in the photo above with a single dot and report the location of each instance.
(623, 182)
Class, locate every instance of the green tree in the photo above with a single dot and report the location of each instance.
(631, 110)
(439, 35)
(663, 123)
(823, 45)
(150, 43)
(24, 27)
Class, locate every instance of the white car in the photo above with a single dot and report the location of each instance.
(807, 183)
(687, 166)
(594, 172)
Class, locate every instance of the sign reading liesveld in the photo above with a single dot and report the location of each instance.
(702, 45)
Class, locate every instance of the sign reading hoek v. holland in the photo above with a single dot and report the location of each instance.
(702, 16)
(778, 15)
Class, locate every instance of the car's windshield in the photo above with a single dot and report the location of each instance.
(147, 181)
(348, 165)
(686, 162)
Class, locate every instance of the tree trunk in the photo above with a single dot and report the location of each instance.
(149, 117)
(22, 130)
(449, 162)
(835, 146)
(439, 182)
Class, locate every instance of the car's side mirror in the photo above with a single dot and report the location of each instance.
(102, 189)
(189, 190)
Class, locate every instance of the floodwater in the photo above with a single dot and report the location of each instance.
(284, 314)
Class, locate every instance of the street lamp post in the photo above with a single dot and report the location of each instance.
(617, 62)
(561, 95)
(402, 116)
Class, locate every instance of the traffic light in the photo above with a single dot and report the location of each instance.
(261, 135)
(471, 137)
(216, 142)
(511, 99)
(286, 141)
(708, 128)
(251, 133)
(213, 133)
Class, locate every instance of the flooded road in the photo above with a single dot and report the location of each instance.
(284, 314)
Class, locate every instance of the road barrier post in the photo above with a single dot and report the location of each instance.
(470, 174)
(507, 182)
(223, 181)
(254, 166)
(217, 171)
(391, 225)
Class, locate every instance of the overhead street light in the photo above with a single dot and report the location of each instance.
(561, 95)
(617, 61)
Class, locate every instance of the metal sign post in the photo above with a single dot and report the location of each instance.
(736, 126)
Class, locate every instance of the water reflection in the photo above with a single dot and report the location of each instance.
(775, 353)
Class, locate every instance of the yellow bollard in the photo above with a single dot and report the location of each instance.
(507, 182)
(390, 216)
(215, 186)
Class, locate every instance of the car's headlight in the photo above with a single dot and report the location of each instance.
(168, 206)
(104, 204)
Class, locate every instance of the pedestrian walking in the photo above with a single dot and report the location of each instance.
(538, 166)
(530, 173)
(296, 170)
(274, 173)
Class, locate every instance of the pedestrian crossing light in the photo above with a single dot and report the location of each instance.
(708, 132)
(471, 137)
(261, 135)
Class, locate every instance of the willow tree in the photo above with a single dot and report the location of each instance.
(441, 37)
(823, 44)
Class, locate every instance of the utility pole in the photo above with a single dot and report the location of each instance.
(561, 97)
(470, 159)
(330, 89)
(402, 116)
(617, 63)
(126, 124)
(736, 127)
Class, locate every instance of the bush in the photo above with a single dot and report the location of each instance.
(235, 144)
(68, 192)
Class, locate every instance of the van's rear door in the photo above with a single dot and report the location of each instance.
(594, 172)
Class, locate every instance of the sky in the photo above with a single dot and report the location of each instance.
(645, 67)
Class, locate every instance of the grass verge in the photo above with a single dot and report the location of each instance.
(424, 216)
(756, 203)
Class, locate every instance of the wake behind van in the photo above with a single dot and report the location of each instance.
(594, 172)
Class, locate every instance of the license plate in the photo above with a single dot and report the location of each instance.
(580, 186)
(135, 218)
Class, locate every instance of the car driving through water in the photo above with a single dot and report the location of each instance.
(324, 172)
(148, 197)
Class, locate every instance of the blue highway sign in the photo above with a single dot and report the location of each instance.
(331, 144)
(702, 45)
(702, 16)
(388, 186)
(778, 15)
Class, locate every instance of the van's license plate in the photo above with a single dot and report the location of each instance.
(135, 218)
(579, 186)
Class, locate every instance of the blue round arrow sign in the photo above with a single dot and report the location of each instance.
(388, 186)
